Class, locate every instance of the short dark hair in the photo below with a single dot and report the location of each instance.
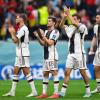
(98, 13)
(23, 16)
(78, 17)
(54, 19)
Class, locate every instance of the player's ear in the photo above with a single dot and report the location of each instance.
(54, 23)
(79, 20)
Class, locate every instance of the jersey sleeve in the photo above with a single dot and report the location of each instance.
(95, 29)
(45, 32)
(20, 33)
(55, 35)
(82, 30)
(70, 30)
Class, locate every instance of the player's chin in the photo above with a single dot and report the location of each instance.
(17, 22)
(48, 26)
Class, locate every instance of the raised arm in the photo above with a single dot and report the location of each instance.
(62, 22)
(67, 12)
(63, 19)
(13, 34)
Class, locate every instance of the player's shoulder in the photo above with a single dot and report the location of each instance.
(82, 25)
(55, 31)
(46, 31)
(24, 27)
(96, 26)
(72, 27)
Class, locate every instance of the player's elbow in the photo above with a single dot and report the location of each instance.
(42, 44)
(15, 40)
(60, 25)
(50, 43)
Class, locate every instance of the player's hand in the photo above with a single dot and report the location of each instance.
(91, 53)
(35, 33)
(65, 15)
(41, 33)
(66, 11)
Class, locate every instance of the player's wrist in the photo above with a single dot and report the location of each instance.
(64, 17)
(13, 37)
(44, 38)
(12, 34)
(91, 51)
(37, 35)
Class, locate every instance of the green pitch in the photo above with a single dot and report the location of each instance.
(75, 91)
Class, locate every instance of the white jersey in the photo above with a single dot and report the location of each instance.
(22, 47)
(76, 38)
(50, 52)
(97, 34)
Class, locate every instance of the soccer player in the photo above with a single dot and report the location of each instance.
(76, 57)
(48, 39)
(96, 62)
(21, 39)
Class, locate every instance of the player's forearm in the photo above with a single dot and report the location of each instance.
(39, 38)
(62, 22)
(93, 44)
(48, 41)
(40, 41)
(14, 38)
(12, 32)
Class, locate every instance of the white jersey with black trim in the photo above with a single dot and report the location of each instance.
(97, 34)
(22, 47)
(76, 38)
(50, 52)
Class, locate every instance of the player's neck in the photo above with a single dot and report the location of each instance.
(50, 28)
(21, 24)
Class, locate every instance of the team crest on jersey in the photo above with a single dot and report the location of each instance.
(54, 36)
(16, 33)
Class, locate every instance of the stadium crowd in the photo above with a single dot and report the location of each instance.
(38, 11)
